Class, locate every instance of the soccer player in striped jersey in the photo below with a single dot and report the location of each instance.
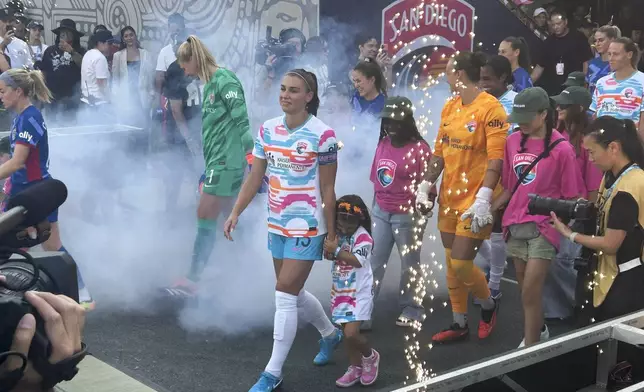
(621, 93)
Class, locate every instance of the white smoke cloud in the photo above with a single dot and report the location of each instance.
(129, 243)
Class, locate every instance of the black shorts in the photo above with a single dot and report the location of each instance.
(625, 296)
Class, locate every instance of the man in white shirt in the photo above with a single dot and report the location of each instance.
(36, 40)
(95, 72)
(17, 49)
(176, 28)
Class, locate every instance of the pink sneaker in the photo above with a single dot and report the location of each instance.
(370, 368)
(350, 378)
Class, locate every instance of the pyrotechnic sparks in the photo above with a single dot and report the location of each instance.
(419, 83)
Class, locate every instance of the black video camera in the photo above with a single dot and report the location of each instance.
(283, 51)
(582, 211)
(53, 272)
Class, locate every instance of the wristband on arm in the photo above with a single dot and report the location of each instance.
(572, 236)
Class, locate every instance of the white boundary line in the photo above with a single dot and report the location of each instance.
(86, 126)
(94, 133)
(509, 280)
(116, 128)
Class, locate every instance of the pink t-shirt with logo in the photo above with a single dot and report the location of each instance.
(396, 172)
(590, 174)
(556, 176)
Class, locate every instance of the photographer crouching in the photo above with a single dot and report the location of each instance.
(618, 287)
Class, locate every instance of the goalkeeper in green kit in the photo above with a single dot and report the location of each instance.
(226, 139)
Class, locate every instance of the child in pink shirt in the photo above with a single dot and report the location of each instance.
(531, 239)
(398, 166)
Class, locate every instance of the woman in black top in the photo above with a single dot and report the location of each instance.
(618, 280)
(61, 65)
(182, 130)
(615, 148)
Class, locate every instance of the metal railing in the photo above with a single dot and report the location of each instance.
(627, 329)
(526, 19)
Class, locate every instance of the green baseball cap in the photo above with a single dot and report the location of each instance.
(397, 108)
(576, 78)
(574, 95)
(527, 104)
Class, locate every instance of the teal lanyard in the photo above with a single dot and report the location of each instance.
(608, 192)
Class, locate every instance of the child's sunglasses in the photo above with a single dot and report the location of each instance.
(350, 209)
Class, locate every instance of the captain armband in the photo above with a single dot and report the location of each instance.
(328, 157)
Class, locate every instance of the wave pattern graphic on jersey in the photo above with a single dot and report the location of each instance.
(293, 170)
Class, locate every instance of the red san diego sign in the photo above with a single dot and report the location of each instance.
(446, 22)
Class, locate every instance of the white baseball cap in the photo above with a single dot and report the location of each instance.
(539, 11)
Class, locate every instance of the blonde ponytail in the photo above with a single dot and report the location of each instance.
(32, 83)
(40, 89)
(194, 47)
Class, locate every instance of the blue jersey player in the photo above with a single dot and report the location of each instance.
(29, 162)
(29, 134)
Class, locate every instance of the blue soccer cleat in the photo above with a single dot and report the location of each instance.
(327, 345)
(266, 383)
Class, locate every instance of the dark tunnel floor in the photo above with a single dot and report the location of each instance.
(156, 349)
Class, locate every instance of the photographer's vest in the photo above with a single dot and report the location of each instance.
(630, 181)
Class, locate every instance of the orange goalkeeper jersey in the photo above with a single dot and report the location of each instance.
(469, 136)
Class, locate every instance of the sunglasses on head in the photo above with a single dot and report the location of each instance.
(350, 209)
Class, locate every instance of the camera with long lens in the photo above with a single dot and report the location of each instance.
(566, 210)
(585, 216)
(581, 211)
(53, 272)
(284, 52)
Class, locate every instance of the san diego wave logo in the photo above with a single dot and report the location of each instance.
(386, 171)
(520, 163)
(471, 126)
(301, 147)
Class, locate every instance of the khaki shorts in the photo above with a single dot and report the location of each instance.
(537, 248)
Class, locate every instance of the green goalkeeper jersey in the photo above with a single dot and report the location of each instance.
(225, 126)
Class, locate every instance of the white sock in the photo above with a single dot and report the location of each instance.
(310, 310)
(284, 330)
(485, 252)
(497, 260)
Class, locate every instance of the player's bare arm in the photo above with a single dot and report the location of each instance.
(493, 173)
(434, 169)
